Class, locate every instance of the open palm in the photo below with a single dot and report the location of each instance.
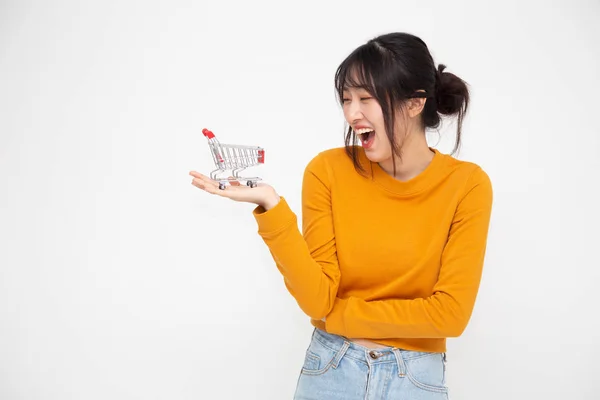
(263, 194)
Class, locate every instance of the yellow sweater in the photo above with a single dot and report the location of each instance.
(395, 262)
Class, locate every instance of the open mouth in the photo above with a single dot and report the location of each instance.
(366, 137)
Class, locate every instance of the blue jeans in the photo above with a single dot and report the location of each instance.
(335, 369)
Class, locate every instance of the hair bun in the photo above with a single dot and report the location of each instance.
(451, 93)
(440, 71)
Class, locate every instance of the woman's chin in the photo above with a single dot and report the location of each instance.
(373, 155)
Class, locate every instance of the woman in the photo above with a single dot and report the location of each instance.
(394, 232)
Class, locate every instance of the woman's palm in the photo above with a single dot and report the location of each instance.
(237, 192)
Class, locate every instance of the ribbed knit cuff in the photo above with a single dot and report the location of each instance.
(275, 219)
(335, 321)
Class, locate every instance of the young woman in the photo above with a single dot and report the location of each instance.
(394, 232)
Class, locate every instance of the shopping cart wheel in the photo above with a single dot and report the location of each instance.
(252, 184)
(221, 186)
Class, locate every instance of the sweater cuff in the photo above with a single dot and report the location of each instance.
(335, 322)
(274, 219)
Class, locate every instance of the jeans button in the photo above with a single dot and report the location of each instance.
(373, 354)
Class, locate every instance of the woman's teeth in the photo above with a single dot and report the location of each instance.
(365, 133)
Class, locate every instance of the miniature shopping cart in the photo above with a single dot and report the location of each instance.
(235, 158)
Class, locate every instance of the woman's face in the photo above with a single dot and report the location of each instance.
(363, 113)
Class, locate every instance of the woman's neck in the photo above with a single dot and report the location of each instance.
(416, 156)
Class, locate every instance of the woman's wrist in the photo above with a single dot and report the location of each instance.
(271, 202)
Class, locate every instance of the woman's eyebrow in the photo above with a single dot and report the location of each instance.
(357, 87)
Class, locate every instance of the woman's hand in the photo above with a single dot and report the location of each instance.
(262, 195)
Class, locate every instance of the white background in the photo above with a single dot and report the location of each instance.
(120, 280)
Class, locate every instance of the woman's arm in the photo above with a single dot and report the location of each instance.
(308, 261)
(447, 311)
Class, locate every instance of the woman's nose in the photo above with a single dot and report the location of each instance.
(354, 111)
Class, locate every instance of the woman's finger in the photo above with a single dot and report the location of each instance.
(212, 187)
(204, 179)
(213, 182)
(209, 181)
(197, 174)
(198, 183)
(232, 191)
(205, 184)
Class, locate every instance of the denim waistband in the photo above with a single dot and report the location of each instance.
(354, 350)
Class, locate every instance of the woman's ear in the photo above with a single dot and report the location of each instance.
(415, 106)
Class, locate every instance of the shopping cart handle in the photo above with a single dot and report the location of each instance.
(208, 133)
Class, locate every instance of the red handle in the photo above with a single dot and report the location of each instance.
(208, 133)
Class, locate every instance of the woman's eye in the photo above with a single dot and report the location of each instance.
(361, 99)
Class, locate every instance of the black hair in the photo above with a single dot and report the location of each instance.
(393, 68)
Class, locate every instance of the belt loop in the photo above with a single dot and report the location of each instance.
(340, 354)
(401, 364)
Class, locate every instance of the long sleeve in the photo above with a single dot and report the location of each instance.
(447, 311)
(308, 261)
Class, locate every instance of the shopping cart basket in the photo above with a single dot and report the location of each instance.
(235, 158)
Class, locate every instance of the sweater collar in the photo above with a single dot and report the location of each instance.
(425, 179)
